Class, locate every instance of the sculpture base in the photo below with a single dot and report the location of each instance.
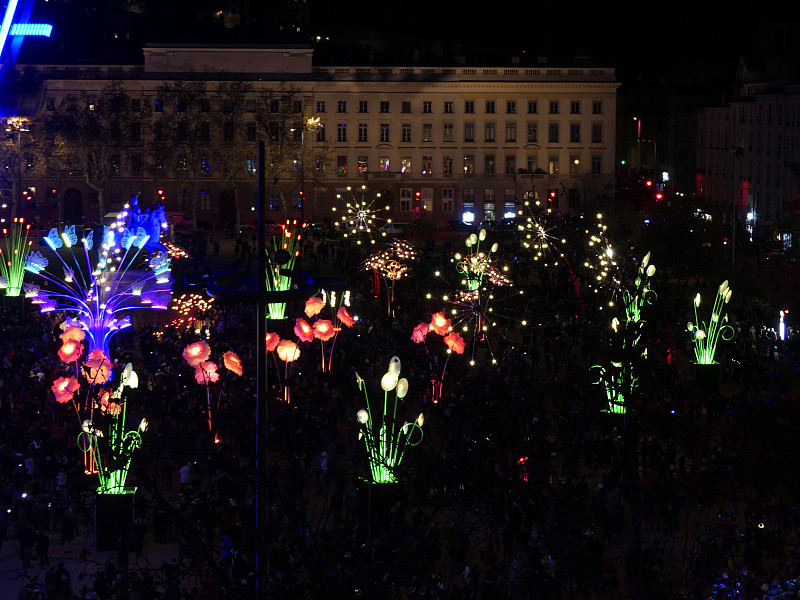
(380, 506)
(113, 518)
(706, 377)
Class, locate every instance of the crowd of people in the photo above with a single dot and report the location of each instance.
(523, 486)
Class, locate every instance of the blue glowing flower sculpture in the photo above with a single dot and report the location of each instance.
(99, 285)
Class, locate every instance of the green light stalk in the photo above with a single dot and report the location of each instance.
(706, 335)
(385, 438)
(281, 263)
(12, 257)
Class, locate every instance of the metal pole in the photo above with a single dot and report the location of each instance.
(262, 468)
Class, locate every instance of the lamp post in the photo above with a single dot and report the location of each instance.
(638, 142)
(17, 125)
(309, 124)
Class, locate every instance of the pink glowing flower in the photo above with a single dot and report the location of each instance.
(70, 351)
(114, 409)
(206, 372)
(97, 366)
(272, 341)
(232, 362)
(104, 400)
(303, 331)
(344, 317)
(323, 330)
(440, 324)
(313, 306)
(64, 389)
(73, 333)
(196, 353)
(455, 342)
(287, 351)
(420, 331)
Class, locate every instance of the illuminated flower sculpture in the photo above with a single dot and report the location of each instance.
(13, 255)
(386, 434)
(98, 286)
(288, 351)
(325, 329)
(473, 301)
(440, 325)
(706, 335)
(391, 264)
(619, 373)
(280, 264)
(361, 218)
(205, 371)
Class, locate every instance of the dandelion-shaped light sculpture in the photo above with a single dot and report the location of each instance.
(13, 255)
(99, 285)
(619, 375)
(280, 264)
(386, 435)
(472, 303)
(361, 217)
(706, 335)
(391, 264)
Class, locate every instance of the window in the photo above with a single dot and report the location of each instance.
(227, 131)
(469, 106)
(227, 107)
(532, 163)
(574, 164)
(182, 131)
(575, 107)
(511, 164)
(405, 164)
(136, 131)
(384, 132)
(448, 107)
(488, 204)
(157, 106)
(596, 164)
(405, 132)
(405, 107)
(341, 106)
(426, 196)
(427, 132)
(320, 106)
(552, 133)
(427, 165)
(533, 107)
(448, 134)
(297, 106)
(158, 132)
(321, 132)
(511, 131)
(250, 105)
(205, 199)
(490, 106)
(469, 131)
(511, 106)
(597, 107)
(341, 165)
(362, 106)
(553, 107)
(384, 163)
(405, 199)
(597, 132)
(136, 105)
(362, 164)
(205, 165)
(533, 131)
(509, 203)
(341, 132)
(274, 106)
(250, 131)
(447, 200)
(488, 164)
(136, 162)
(574, 133)
(205, 131)
(427, 106)
(384, 106)
(469, 164)
(553, 164)
(115, 163)
(447, 164)
(490, 131)
(362, 132)
(251, 166)
(181, 104)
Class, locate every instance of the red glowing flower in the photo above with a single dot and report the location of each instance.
(313, 306)
(64, 389)
(272, 341)
(196, 353)
(97, 366)
(323, 330)
(70, 351)
(303, 331)
(232, 362)
(455, 342)
(206, 372)
(73, 333)
(344, 317)
(105, 398)
(419, 333)
(440, 324)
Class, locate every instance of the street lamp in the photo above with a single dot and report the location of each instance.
(309, 124)
(638, 142)
(18, 125)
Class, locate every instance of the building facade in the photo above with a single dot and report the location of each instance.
(437, 144)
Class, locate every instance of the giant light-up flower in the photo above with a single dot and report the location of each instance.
(102, 281)
(391, 264)
(280, 264)
(706, 335)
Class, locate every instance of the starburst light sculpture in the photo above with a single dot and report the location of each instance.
(391, 264)
(102, 283)
(361, 217)
(13, 255)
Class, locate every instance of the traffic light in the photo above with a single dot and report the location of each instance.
(29, 194)
(161, 195)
